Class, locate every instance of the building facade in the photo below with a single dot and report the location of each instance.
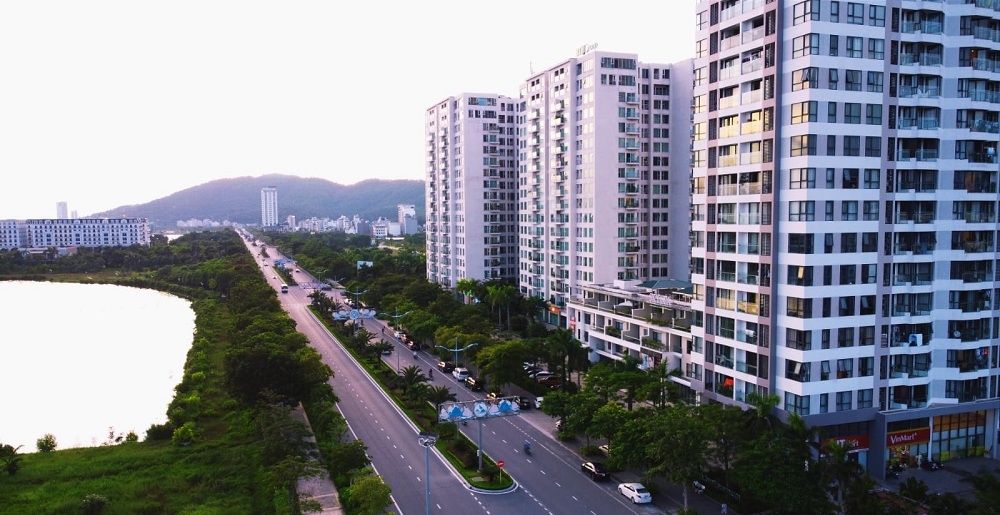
(599, 182)
(62, 210)
(13, 235)
(844, 179)
(471, 189)
(269, 206)
(86, 232)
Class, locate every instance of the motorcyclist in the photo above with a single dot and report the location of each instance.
(430, 373)
(527, 447)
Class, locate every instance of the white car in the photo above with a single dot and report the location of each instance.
(538, 402)
(541, 375)
(460, 373)
(635, 492)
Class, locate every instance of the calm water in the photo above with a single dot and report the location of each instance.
(78, 359)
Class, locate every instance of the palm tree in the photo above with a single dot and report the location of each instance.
(466, 288)
(411, 378)
(10, 459)
(438, 395)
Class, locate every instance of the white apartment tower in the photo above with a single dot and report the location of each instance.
(471, 189)
(269, 206)
(844, 229)
(599, 183)
(62, 210)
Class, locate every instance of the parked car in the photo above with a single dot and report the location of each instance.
(523, 402)
(446, 366)
(550, 381)
(473, 384)
(326, 287)
(635, 492)
(538, 402)
(460, 373)
(542, 375)
(596, 470)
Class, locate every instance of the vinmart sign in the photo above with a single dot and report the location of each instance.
(908, 437)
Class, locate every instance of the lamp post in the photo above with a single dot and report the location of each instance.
(427, 440)
(357, 302)
(457, 350)
(397, 317)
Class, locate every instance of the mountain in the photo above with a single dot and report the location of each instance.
(238, 200)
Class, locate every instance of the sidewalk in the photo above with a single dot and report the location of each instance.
(320, 489)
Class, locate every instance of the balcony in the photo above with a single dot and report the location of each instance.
(919, 123)
(909, 91)
(920, 59)
(922, 154)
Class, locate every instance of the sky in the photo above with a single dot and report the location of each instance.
(109, 103)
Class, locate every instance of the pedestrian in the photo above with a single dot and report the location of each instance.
(725, 508)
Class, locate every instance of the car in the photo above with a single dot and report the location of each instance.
(596, 470)
(538, 402)
(274, 277)
(606, 449)
(550, 381)
(473, 384)
(542, 375)
(635, 492)
(413, 345)
(492, 396)
(326, 287)
(446, 366)
(460, 373)
(523, 402)
(559, 424)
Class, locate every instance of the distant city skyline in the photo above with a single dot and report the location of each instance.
(104, 106)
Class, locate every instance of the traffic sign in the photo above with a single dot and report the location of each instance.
(500, 463)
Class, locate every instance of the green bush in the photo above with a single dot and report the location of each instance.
(159, 432)
(46, 443)
(590, 450)
(184, 435)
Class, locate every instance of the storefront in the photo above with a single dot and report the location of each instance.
(857, 446)
(906, 446)
(940, 438)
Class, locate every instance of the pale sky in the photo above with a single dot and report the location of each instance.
(107, 103)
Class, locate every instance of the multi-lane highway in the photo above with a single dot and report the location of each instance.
(549, 481)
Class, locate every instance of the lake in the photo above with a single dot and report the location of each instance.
(80, 358)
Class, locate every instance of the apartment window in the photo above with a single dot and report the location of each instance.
(871, 210)
(834, 44)
(829, 211)
(834, 78)
(865, 396)
(873, 114)
(805, 11)
(852, 80)
(876, 16)
(845, 368)
(798, 404)
(869, 275)
(830, 175)
(805, 78)
(846, 307)
(800, 276)
(799, 308)
(824, 399)
(835, 12)
(855, 13)
(804, 145)
(806, 44)
(852, 145)
(849, 210)
(800, 243)
(848, 244)
(828, 243)
(831, 112)
(826, 301)
(869, 242)
(843, 399)
(866, 335)
(875, 82)
(852, 112)
(873, 146)
(855, 47)
(831, 145)
(804, 112)
(802, 211)
(876, 49)
(802, 178)
(845, 337)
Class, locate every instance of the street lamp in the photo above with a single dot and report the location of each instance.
(427, 440)
(396, 317)
(457, 350)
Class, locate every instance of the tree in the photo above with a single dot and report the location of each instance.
(987, 490)
(677, 446)
(10, 459)
(411, 378)
(841, 470)
(558, 404)
(438, 395)
(503, 363)
(725, 436)
(583, 407)
(466, 288)
(370, 495)
(607, 421)
(47, 443)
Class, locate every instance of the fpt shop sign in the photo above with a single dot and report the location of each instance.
(908, 437)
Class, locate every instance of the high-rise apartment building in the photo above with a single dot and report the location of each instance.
(62, 210)
(599, 182)
(269, 206)
(844, 228)
(471, 189)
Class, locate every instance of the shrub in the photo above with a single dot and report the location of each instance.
(159, 432)
(46, 443)
(184, 435)
(590, 450)
(93, 504)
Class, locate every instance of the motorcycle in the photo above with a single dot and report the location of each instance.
(527, 448)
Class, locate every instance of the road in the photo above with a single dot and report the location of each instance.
(550, 481)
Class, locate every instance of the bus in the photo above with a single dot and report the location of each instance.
(284, 288)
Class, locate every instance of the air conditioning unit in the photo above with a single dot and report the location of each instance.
(916, 340)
